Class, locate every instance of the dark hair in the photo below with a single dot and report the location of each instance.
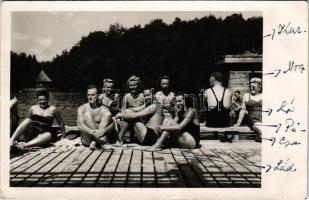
(42, 93)
(189, 99)
(163, 77)
(93, 86)
(217, 76)
(237, 91)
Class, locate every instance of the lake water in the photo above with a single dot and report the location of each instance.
(66, 102)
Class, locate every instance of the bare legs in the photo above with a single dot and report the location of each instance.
(258, 130)
(25, 129)
(124, 125)
(183, 139)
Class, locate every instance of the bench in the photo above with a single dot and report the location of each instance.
(237, 133)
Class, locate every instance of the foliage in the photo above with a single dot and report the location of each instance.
(184, 50)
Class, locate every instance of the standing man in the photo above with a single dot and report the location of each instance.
(218, 101)
(95, 121)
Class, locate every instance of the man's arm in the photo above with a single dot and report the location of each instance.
(29, 113)
(60, 122)
(81, 122)
(132, 115)
(124, 103)
(182, 124)
(243, 110)
(138, 108)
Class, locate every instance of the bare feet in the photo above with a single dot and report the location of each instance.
(18, 147)
(92, 145)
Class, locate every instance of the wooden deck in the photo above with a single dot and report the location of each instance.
(215, 164)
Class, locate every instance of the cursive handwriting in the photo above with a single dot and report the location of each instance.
(282, 142)
(285, 107)
(292, 67)
(285, 29)
(281, 166)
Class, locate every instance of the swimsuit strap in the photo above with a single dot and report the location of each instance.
(215, 95)
(223, 95)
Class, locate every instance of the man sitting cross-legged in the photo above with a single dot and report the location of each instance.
(146, 130)
(184, 130)
(95, 121)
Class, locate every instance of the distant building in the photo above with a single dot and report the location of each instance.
(240, 69)
(42, 80)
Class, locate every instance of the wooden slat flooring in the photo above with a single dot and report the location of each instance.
(222, 165)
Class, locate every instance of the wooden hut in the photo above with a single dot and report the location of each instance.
(42, 80)
(239, 69)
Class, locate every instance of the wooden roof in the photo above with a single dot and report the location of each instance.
(241, 59)
(42, 78)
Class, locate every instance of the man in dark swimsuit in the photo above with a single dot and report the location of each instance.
(219, 102)
(146, 132)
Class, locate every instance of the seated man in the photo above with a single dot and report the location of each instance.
(95, 121)
(218, 101)
(184, 130)
(146, 131)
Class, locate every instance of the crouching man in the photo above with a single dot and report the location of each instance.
(95, 121)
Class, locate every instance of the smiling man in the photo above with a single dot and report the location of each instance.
(94, 121)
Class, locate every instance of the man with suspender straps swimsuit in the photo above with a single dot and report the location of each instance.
(218, 111)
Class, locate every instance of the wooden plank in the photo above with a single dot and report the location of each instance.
(107, 175)
(222, 175)
(148, 172)
(50, 179)
(135, 169)
(198, 168)
(71, 169)
(18, 156)
(254, 171)
(249, 156)
(37, 176)
(24, 176)
(62, 171)
(94, 173)
(190, 177)
(240, 129)
(162, 177)
(20, 162)
(29, 163)
(83, 170)
(237, 157)
(176, 177)
(238, 177)
(121, 174)
(210, 168)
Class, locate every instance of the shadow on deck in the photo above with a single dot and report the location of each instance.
(223, 166)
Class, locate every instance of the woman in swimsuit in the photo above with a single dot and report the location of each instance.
(133, 101)
(36, 128)
(252, 105)
(110, 98)
(166, 97)
(184, 130)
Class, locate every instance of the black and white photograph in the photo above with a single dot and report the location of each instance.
(136, 99)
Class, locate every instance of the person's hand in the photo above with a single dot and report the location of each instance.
(119, 115)
(158, 129)
(99, 133)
